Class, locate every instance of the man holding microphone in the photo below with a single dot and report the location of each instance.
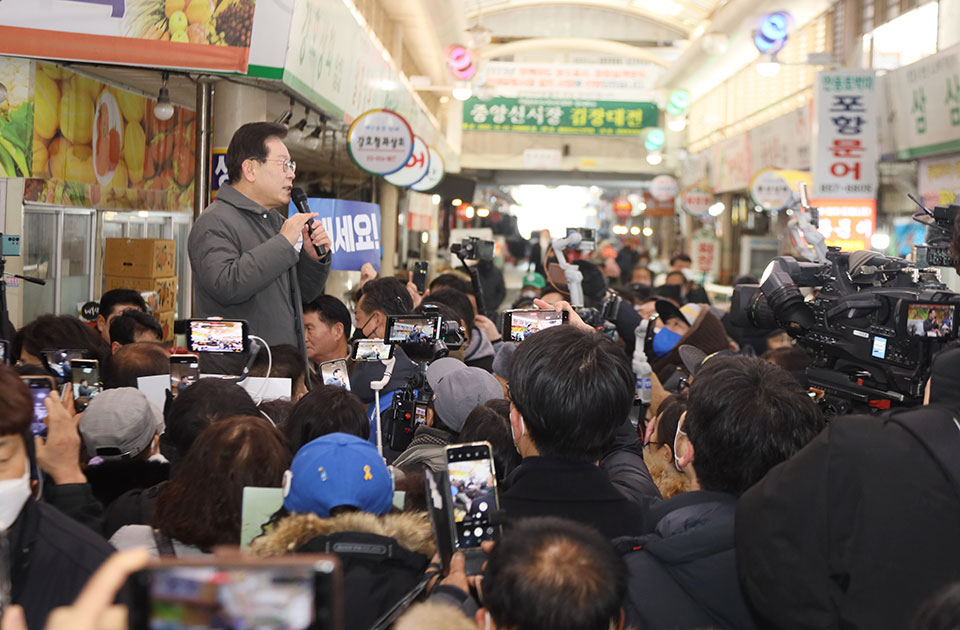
(242, 250)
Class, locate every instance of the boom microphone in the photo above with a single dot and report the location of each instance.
(299, 199)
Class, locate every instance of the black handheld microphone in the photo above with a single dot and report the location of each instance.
(299, 199)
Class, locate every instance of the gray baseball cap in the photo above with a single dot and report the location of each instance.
(119, 424)
(458, 388)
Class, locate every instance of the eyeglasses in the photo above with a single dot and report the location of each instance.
(288, 165)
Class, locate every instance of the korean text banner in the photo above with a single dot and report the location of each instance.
(845, 144)
(93, 145)
(556, 116)
(354, 229)
(194, 34)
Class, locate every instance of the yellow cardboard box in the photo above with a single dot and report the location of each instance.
(166, 321)
(139, 257)
(165, 288)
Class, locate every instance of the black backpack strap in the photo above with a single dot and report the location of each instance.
(164, 544)
(939, 432)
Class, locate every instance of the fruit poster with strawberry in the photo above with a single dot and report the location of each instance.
(194, 34)
(100, 146)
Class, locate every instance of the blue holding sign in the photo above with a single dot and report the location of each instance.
(354, 229)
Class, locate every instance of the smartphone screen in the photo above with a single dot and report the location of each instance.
(413, 329)
(58, 361)
(222, 336)
(85, 376)
(184, 371)
(40, 387)
(473, 489)
(371, 350)
(335, 373)
(295, 597)
(420, 276)
(520, 324)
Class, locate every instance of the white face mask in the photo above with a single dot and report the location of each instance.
(14, 493)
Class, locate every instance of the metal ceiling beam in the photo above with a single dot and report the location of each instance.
(602, 46)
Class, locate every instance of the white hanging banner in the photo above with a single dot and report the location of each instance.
(434, 174)
(845, 134)
(416, 167)
(380, 141)
(771, 190)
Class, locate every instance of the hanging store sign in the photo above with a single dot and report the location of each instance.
(658, 207)
(845, 134)
(663, 188)
(622, 208)
(554, 116)
(416, 167)
(98, 146)
(696, 200)
(460, 62)
(770, 190)
(938, 180)
(730, 162)
(924, 102)
(199, 34)
(783, 142)
(218, 169)
(847, 223)
(354, 229)
(380, 142)
(705, 253)
(435, 172)
(635, 82)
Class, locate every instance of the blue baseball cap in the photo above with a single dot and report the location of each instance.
(334, 470)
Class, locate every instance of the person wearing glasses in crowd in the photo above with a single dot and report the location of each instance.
(243, 248)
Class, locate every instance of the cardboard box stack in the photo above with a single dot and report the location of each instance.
(144, 264)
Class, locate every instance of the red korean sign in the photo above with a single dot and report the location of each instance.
(416, 167)
(622, 208)
(845, 134)
(696, 200)
(847, 223)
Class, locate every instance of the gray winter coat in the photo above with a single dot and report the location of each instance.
(243, 268)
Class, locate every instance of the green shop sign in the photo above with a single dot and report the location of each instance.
(559, 116)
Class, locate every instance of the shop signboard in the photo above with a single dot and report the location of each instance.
(380, 142)
(696, 200)
(770, 190)
(542, 159)
(354, 230)
(846, 145)
(783, 142)
(730, 164)
(99, 146)
(416, 167)
(218, 170)
(435, 172)
(924, 103)
(658, 207)
(420, 210)
(938, 180)
(559, 116)
(705, 253)
(663, 188)
(194, 34)
(567, 80)
(332, 61)
(847, 223)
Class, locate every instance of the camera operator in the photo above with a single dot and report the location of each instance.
(380, 298)
(457, 390)
(885, 491)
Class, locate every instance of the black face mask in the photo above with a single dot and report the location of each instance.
(358, 333)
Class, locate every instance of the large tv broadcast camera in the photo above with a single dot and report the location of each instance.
(424, 337)
(874, 324)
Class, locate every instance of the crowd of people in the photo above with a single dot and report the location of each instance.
(726, 502)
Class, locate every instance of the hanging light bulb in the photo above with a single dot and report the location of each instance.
(284, 118)
(163, 110)
(654, 158)
(312, 141)
(462, 91)
(768, 66)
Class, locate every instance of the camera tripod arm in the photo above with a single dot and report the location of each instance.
(377, 386)
(571, 272)
(475, 283)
